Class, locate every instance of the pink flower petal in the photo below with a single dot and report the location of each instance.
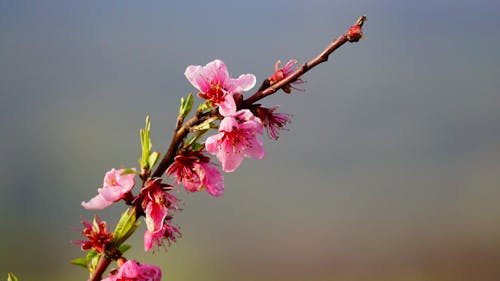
(228, 106)
(243, 83)
(211, 144)
(96, 203)
(155, 215)
(132, 270)
(230, 157)
(228, 124)
(213, 180)
(254, 149)
(191, 74)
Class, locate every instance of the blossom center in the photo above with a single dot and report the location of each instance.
(215, 93)
(238, 138)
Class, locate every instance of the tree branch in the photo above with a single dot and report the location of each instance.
(352, 35)
(104, 262)
(177, 138)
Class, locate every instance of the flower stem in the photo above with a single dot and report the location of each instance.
(104, 262)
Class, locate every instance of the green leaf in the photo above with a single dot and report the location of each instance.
(204, 106)
(80, 262)
(89, 262)
(153, 158)
(186, 105)
(124, 228)
(129, 171)
(145, 145)
(93, 258)
(124, 247)
(11, 277)
(206, 125)
(197, 146)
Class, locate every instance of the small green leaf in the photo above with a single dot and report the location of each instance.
(206, 125)
(124, 228)
(197, 146)
(153, 158)
(89, 262)
(204, 106)
(124, 247)
(129, 171)
(145, 145)
(186, 105)
(92, 259)
(11, 277)
(80, 262)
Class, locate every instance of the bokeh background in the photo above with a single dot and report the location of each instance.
(390, 169)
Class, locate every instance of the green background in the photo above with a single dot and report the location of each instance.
(390, 169)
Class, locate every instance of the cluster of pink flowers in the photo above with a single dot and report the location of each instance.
(238, 137)
(156, 201)
(239, 131)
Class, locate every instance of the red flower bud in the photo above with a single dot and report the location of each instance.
(354, 33)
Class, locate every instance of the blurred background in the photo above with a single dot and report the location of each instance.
(390, 169)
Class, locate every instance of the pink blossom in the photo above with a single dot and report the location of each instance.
(212, 179)
(133, 271)
(215, 84)
(116, 186)
(157, 202)
(273, 121)
(282, 73)
(169, 232)
(237, 138)
(154, 205)
(196, 173)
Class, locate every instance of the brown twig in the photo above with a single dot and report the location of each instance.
(177, 139)
(104, 262)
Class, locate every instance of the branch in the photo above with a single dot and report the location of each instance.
(177, 138)
(104, 262)
(352, 35)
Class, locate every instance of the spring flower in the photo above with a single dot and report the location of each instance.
(96, 234)
(215, 84)
(196, 173)
(157, 202)
(133, 271)
(237, 138)
(116, 186)
(281, 73)
(273, 121)
(169, 232)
